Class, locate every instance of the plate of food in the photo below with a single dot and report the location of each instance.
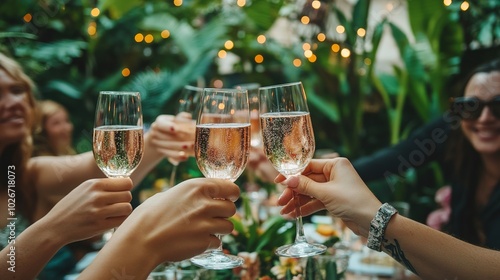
(371, 263)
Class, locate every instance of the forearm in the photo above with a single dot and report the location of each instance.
(30, 252)
(123, 257)
(435, 255)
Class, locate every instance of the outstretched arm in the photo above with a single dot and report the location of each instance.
(334, 185)
(169, 226)
(90, 209)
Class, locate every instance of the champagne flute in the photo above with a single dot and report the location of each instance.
(288, 141)
(118, 138)
(188, 103)
(221, 151)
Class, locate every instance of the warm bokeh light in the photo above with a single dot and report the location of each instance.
(138, 37)
(340, 29)
(308, 53)
(345, 53)
(297, 62)
(335, 47)
(92, 30)
(241, 3)
(218, 84)
(261, 39)
(165, 34)
(222, 54)
(312, 58)
(321, 37)
(177, 3)
(221, 106)
(306, 46)
(464, 6)
(259, 58)
(27, 17)
(125, 72)
(447, 2)
(149, 38)
(305, 20)
(368, 61)
(361, 32)
(316, 4)
(229, 44)
(95, 12)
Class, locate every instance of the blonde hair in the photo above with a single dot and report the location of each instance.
(18, 154)
(45, 110)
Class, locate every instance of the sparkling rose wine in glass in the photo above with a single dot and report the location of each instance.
(288, 141)
(221, 150)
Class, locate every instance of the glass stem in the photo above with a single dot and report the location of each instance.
(219, 249)
(299, 233)
(172, 175)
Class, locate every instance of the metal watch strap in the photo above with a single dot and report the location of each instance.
(378, 226)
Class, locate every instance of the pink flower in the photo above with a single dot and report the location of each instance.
(440, 217)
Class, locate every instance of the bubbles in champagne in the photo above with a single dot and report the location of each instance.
(118, 149)
(221, 150)
(288, 140)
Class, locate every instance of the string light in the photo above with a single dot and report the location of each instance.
(149, 38)
(308, 53)
(447, 2)
(165, 34)
(321, 37)
(316, 4)
(138, 37)
(27, 17)
(259, 58)
(306, 46)
(222, 54)
(229, 44)
(261, 39)
(464, 6)
(241, 3)
(345, 53)
(305, 20)
(218, 84)
(92, 29)
(125, 72)
(95, 12)
(312, 58)
(367, 61)
(297, 62)
(177, 3)
(335, 47)
(340, 29)
(361, 32)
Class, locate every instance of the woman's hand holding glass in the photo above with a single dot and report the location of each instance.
(288, 141)
(221, 150)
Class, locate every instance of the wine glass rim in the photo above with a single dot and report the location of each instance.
(193, 88)
(281, 85)
(231, 90)
(117, 92)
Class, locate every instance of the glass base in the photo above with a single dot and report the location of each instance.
(217, 260)
(300, 250)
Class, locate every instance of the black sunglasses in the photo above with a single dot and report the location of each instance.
(470, 108)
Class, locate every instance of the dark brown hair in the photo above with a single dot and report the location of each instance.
(466, 161)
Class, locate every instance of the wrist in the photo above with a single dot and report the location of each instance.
(378, 226)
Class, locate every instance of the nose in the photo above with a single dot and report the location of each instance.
(486, 114)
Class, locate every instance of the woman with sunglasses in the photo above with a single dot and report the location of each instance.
(465, 141)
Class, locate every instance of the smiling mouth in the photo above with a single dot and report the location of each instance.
(13, 120)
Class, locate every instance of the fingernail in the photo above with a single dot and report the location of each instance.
(185, 147)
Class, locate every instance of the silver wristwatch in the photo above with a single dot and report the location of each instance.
(378, 226)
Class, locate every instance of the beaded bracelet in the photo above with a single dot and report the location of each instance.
(378, 226)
